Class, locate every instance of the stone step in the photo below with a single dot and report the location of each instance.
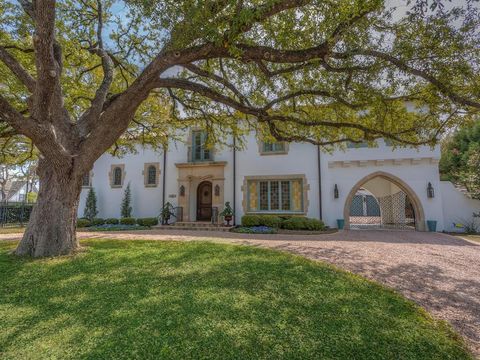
(196, 224)
(198, 228)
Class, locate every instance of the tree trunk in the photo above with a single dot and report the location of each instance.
(51, 229)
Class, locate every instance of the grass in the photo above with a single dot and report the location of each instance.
(199, 300)
(12, 230)
(471, 237)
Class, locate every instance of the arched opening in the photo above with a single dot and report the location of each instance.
(383, 201)
(204, 201)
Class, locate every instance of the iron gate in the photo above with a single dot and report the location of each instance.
(13, 213)
(393, 211)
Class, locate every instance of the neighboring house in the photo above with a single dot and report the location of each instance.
(16, 191)
(366, 187)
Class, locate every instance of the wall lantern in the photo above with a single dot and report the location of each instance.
(430, 191)
(182, 190)
(217, 190)
(335, 192)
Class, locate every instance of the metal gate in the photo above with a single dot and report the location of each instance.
(14, 214)
(393, 211)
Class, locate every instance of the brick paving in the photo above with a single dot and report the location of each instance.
(437, 271)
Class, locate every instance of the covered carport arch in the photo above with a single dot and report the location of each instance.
(415, 201)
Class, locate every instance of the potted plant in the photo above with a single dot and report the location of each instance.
(166, 213)
(227, 213)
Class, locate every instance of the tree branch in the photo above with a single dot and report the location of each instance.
(16, 68)
(402, 65)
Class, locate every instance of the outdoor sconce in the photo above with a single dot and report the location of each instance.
(217, 190)
(335, 192)
(430, 191)
(182, 190)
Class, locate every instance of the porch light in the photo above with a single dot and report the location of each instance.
(430, 191)
(182, 191)
(335, 192)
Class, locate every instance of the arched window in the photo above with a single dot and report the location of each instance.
(152, 175)
(117, 176)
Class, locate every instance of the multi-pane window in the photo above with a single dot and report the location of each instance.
(275, 195)
(199, 149)
(274, 147)
(151, 175)
(117, 176)
(86, 180)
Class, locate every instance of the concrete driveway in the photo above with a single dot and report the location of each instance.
(437, 271)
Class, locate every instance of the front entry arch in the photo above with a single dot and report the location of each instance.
(412, 198)
(204, 201)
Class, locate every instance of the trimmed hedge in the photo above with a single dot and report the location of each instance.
(82, 222)
(128, 221)
(147, 222)
(303, 223)
(98, 221)
(288, 222)
(261, 220)
(111, 221)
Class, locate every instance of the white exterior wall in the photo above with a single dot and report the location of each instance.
(415, 167)
(459, 209)
(146, 201)
(300, 160)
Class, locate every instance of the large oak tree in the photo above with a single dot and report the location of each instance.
(81, 77)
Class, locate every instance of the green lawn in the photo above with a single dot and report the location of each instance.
(12, 230)
(177, 300)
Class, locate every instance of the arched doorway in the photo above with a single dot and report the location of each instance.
(204, 201)
(383, 201)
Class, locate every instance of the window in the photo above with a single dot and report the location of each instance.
(275, 195)
(199, 150)
(117, 176)
(273, 147)
(152, 175)
(86, 180)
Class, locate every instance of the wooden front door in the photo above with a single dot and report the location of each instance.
(204, 201)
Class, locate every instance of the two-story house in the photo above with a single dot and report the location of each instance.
(365, 187)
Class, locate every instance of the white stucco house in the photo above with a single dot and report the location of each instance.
(365, 187)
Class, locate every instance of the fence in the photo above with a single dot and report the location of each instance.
(15, 213)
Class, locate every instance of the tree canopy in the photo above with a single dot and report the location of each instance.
(460, 160)
(79, 77)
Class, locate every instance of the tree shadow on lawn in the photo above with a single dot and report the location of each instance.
(447, 293)
(203, 300)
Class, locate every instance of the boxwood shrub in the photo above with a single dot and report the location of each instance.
(128, 221)
(261, 220)
(98, 221)
(111, 221)
(82, 222)
(303, 223)
(147, 221)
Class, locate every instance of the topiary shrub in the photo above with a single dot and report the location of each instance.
(250, 220)
(98, 221)
(147, 222)
(81, 223)
(111, 221)
(128, 221)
